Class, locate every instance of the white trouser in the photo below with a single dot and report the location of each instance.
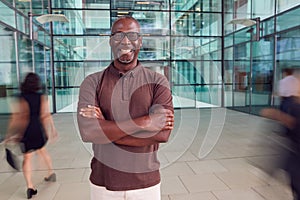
(101, 193)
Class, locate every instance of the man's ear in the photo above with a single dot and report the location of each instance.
(110, 41)
(141, 42)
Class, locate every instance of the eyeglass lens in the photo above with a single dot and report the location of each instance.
(132, 36)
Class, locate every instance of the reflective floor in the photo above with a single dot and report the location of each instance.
(212, 155)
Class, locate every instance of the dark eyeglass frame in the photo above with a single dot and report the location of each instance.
(123, 34)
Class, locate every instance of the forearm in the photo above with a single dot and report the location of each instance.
(101, 131)
(145, 138)
(17, 124)
(275, 114)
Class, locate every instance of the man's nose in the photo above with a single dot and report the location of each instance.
(125, 40)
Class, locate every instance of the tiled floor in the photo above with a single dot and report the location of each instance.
(207, 158)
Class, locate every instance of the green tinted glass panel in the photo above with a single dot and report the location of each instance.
(152, 22)
(184, 96)
(196, 5)
(283, 5)
(7, 15)
(82, 48)
(288, 20)
(23, 6)
(22, 23)
(196, 24)
(155, 48)
(140, 5)
(268, 27)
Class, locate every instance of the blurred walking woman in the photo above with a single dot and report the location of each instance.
(38, 128)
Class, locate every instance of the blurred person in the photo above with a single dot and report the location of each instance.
(125, 111)
(288, 87)
(291, 120)
(32, 125)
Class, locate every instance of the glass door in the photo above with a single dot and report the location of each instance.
(8, 76)
(242, 77)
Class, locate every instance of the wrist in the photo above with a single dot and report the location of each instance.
(143, 122)
(133, 126)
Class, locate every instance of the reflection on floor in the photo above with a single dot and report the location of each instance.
(179, 102)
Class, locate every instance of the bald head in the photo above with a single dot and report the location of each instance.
(125, 21)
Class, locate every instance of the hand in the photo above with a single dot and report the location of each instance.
(162, 119)
(267, 112)
(271, 113)
(53, 136)
(280, 116)
(91, 112)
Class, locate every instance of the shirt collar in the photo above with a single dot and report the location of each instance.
(132, 73)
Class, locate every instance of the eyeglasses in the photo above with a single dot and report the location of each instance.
(119, 36)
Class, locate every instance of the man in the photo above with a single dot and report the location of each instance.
(289, 116)
(288, 88)
(125, 110)
(289, 156)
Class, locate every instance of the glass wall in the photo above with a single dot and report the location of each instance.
(185, 46)
(25, 48)
(256, 49)
(208, 60)
(215, 53)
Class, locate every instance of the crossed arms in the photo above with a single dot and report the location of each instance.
(146, 130)
(152, 128)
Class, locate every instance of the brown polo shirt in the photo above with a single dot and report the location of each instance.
(123, 97)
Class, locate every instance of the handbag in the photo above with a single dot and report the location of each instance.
(12, 154)
(17, 124)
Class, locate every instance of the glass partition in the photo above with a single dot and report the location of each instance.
(7, 15)
(8, 70)
(22, 23)
(263, 10)
(195, 37)
(196, 24)
(283, 5)
(262, 74)
(23, 6)
(197, 6)
(78, 48)
(209, 59)
(288, 19)
(8, 76)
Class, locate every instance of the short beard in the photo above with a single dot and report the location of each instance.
(125, 59)
(125, 62)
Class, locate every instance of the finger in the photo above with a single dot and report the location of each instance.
(169, 114)
(170, 117)
(87, 115)
(86, 109)
(94, 107)
(98, 115)
(98, 112)
(163, 111)
(169, 123)
(168, 128)
(91, 113)
(97, 109)
(90, 108)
